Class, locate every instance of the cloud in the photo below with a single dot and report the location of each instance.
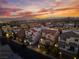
(75, 3)
(4, 1)
(8, 11)
(56, 4)
(4, 11)
(67, 13)
(43, 10)
(25, 14)
(63, 9)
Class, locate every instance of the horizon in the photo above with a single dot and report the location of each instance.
(2, 20)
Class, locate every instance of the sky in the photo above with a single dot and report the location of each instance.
(39, 8)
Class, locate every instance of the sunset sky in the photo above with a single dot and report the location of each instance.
(39, 8)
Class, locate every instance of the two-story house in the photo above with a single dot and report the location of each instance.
(69, 42)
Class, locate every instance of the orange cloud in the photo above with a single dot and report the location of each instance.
(65, 12)
(47, 13)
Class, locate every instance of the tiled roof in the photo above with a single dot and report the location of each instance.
(49, 31)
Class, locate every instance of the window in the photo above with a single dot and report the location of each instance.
(76, 40)
(61, 44)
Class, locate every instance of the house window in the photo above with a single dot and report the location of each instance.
(76, 40)
(72, 48)
(61, 44)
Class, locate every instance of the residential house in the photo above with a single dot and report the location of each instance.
(49, 36)
(69, 42)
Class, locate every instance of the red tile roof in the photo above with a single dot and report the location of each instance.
(49, 31)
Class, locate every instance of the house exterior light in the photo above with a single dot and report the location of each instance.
(56, 45)
(60, 53)
(7, 35)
